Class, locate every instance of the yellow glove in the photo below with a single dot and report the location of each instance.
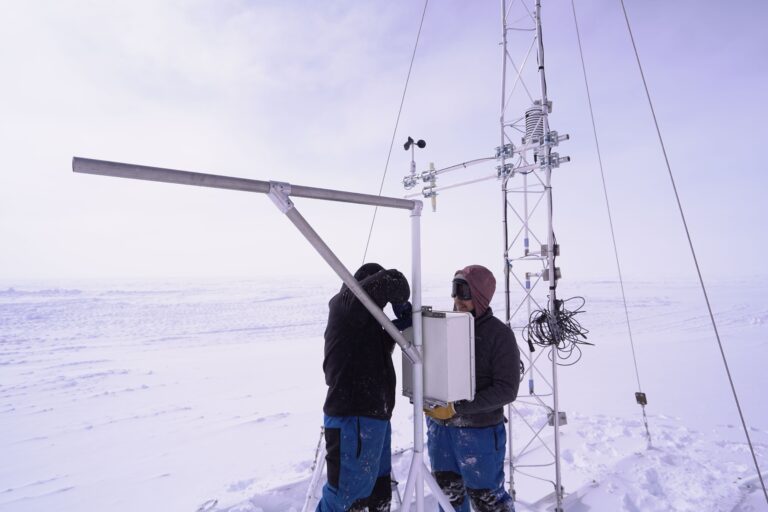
(441, 413)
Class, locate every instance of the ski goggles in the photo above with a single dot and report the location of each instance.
(460, 289)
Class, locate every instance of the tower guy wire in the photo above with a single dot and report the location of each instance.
(397, 123)
(693, 253)
(610, 218)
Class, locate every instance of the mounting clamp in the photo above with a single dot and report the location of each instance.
(549, 105)
(545, 249)
(558, 275)
(508, 170)
(562, 418)
(429, 191)
(506, 151)
(279, 193)
(410, 181)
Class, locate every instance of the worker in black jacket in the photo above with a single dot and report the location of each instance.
(466, 440)
(361, 393)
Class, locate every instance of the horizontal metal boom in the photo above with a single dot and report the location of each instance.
(143, 172)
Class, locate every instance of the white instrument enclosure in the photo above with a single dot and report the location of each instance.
(448, 353)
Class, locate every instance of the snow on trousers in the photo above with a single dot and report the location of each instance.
(469, 462)
(359, 464)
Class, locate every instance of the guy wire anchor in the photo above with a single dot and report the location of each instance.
(642, 401)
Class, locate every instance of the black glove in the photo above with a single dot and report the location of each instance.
(403, 312)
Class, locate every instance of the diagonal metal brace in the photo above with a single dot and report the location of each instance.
(279, 193)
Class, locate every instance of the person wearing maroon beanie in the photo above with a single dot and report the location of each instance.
(467, 439)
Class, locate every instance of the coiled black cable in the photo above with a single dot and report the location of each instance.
(560, 330)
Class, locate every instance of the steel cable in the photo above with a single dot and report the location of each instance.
(397, 123)
(610, 218)
(693, 253)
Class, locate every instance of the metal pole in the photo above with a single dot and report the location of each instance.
(310, 501)
(419, 474)
(502, 122)
(418, 368)
(550, 254)
(505, 230)
(508, 314)
(143, 172)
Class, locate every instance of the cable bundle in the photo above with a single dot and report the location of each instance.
(562, 331)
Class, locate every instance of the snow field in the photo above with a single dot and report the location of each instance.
(161, 396)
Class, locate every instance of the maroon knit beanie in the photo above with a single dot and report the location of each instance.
(482, 286)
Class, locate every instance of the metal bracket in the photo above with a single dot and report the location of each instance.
(279, 193)
(558, 275)
(561, 416)
(428, 176)
(551, 139)
(506, 151)
(554, 139)
(641, 398)
(429, 191)
(549, 105)
(508, 170)
(552, 162)
(410, 181)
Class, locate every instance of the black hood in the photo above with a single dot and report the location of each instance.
(367, 270)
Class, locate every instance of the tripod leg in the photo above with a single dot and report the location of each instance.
(411, 483)
(395, 492)
(442, 499)
(310, 502)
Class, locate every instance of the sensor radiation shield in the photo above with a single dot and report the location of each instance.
(448, 355)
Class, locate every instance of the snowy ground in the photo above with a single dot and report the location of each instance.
(162, 396)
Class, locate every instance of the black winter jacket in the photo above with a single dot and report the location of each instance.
(358, 351)
(497, 375)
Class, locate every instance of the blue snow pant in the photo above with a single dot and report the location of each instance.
(470, 461)
(359, 463)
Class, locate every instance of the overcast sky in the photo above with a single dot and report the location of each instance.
(307, 92)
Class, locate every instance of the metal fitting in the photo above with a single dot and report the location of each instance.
(505, 151)
(506, 171)
(410, 181)
(279, 193)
